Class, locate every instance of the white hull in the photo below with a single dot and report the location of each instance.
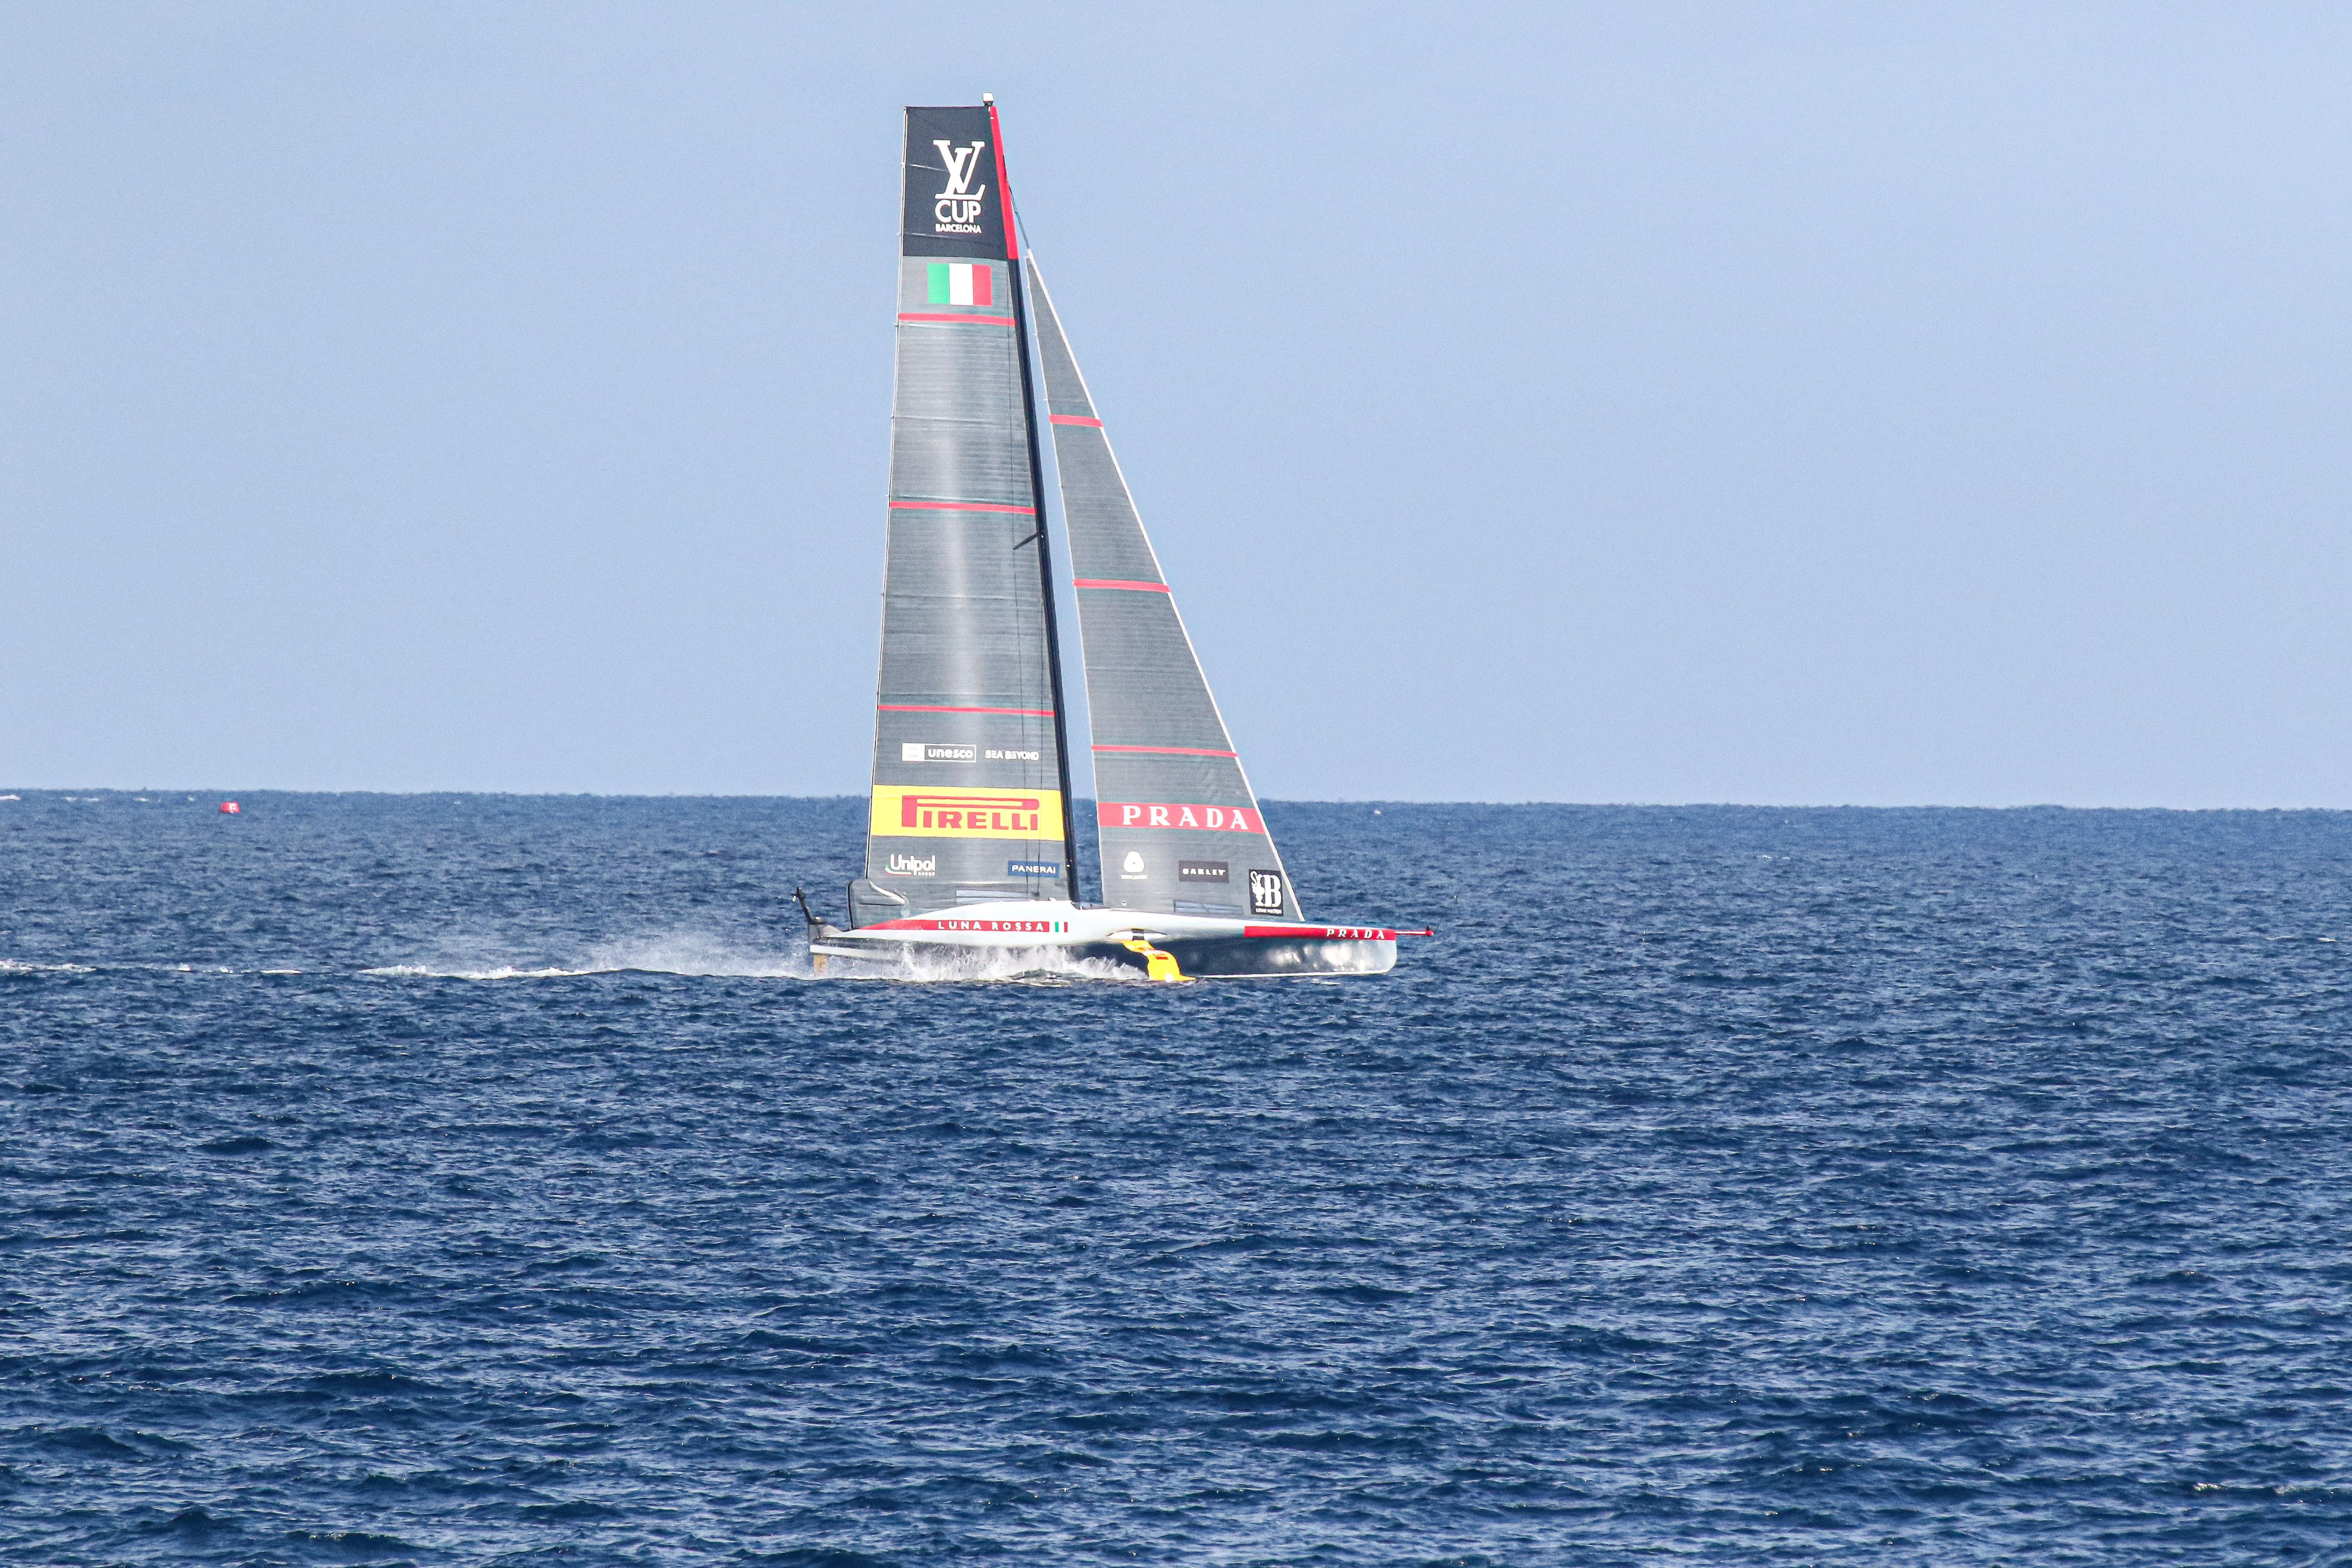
(1200, 945)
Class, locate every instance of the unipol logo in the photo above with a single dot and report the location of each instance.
(914, 865)
(958, 206)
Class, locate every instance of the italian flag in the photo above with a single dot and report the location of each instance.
(962, 283)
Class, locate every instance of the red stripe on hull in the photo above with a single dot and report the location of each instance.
(1326, 933)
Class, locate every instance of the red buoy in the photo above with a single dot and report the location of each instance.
(230, 808)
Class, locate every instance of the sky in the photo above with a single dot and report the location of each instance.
(1795, 403)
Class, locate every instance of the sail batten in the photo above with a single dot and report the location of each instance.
(1181, 831)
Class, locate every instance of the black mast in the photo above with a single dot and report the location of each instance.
(1037, 500)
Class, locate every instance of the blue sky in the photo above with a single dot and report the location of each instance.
(1795, 403)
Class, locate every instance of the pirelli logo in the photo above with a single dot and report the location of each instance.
(913, 811)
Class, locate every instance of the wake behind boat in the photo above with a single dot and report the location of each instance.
(969, 847)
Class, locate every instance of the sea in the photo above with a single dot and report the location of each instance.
(486, 1179)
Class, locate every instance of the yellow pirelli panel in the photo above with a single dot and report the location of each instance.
(938, 811)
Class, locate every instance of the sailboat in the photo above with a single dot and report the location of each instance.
(970, 849)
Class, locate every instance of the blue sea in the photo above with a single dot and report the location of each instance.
(486, 1180)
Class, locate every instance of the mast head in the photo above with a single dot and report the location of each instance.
(988, 98)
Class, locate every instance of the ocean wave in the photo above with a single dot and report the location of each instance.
(1953, 1188)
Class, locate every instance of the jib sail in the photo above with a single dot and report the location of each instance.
(970, 797)
(1180, 827)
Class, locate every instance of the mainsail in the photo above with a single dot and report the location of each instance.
(1180, 827)
(970, 789)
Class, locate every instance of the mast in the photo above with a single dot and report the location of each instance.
(1019, 279)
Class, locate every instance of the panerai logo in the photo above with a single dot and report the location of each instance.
(957, 207)
(914, 865)
(1265, 893)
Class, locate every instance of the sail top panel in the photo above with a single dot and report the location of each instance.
(955, 202)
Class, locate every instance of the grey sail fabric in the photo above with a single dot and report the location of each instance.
(967, 802)
(1181, 830)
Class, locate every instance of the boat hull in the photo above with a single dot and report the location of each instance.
(1209, 958)
(987, 941)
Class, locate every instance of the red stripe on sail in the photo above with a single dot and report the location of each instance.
(1119, 582)
(1171, 750)
(974, 320)
(962, 506)
(983, 278)
(1078, 419)
(922, 708)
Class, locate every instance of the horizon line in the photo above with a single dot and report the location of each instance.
(9, 793)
